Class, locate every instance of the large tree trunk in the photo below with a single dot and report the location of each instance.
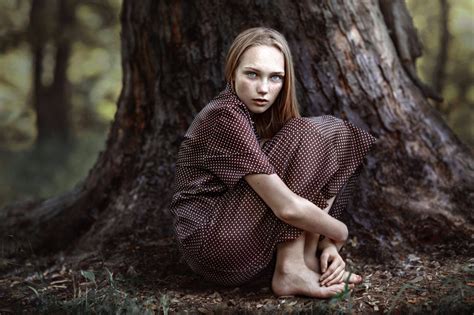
(418, 183)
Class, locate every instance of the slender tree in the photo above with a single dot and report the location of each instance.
(417, 186)
(439, 71)
(51, 100)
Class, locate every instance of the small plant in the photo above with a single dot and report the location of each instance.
(100, 299)
(346, 294)
(399, 294)
(165, 303)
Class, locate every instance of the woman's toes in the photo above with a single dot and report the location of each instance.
(353, 278)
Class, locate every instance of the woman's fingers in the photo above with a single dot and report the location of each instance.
(335, 264)
(333, 276)
(324, 261)
(338, 278)
(333, 271)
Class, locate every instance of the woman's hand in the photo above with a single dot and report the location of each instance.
(335, 272)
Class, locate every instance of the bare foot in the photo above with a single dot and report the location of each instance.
(303, 281)
(355, 278)
(312, 262)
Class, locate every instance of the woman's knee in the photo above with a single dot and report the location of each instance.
(311, 123)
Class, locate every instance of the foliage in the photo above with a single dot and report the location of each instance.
(106, 299)
(458, 91)
(93, 69)
(95, 75)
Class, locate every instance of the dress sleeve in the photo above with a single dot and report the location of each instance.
(233, 150)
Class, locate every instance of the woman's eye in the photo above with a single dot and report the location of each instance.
(277, 78)
(251, 75)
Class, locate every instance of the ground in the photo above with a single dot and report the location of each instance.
(150, 278)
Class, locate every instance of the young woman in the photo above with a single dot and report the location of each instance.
(257, 184)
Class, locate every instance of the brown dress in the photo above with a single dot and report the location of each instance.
(225, 231)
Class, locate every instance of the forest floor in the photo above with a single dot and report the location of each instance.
(150, 278)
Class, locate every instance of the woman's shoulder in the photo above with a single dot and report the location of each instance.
(225, 103)
(222, 106)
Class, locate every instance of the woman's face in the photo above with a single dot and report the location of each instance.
(259, 77)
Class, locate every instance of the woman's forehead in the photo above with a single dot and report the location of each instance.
(263, 58)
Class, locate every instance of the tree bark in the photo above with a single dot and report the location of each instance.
(405, 38)
(417, 186)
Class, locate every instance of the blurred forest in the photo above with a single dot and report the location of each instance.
(59, 84)
(61, 78)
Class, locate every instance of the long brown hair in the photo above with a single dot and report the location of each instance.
(286, 105)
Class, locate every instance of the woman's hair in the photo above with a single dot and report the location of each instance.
(286, 105)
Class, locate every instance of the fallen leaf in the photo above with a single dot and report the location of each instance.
(417, 279)
(59, 281)
(57, 287)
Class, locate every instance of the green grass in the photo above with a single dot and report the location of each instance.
(99, 299)
(102, 295)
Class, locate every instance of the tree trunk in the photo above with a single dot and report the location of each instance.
(417, 187)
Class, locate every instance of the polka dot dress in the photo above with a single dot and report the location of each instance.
(225, 231)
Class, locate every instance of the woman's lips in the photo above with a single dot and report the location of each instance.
(260, 101)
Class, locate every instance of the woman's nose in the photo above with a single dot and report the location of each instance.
(262, 87)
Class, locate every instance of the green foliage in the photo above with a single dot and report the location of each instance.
(458, 91)
(104, 299)
(165, 303)
(93, 68)
(95, 75)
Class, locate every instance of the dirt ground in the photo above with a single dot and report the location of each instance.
(150, 278)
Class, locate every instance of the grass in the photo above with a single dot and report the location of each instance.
(98, 299)
(99, 292)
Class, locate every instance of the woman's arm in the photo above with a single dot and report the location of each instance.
(326, 242)
(295, 210)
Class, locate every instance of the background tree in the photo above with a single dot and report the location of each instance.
(59, 82)
(51, 100)
(417, 187)
(445, 30)
(444, 41)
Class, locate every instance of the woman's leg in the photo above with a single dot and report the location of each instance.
(297, 268)
(311, 246)
(293, 277)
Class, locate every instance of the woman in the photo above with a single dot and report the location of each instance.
(257, 184)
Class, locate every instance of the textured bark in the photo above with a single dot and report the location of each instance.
(405, 38)
(418, 182)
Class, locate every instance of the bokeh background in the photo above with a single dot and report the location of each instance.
(32, 33)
